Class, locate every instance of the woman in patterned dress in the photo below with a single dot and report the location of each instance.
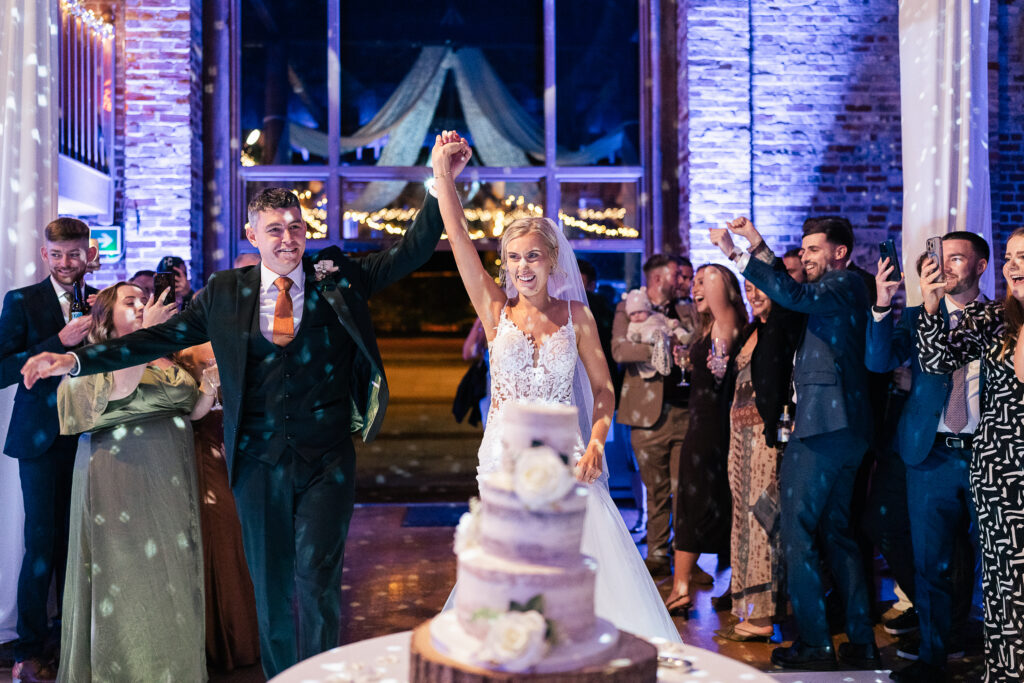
(763, 369)
(990, 332)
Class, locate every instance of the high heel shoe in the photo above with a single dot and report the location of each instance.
(680, 607)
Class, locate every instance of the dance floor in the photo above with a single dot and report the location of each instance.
(399, 566)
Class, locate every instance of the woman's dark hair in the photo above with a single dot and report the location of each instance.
(1013, 312)
(103, 312)
(735, 298)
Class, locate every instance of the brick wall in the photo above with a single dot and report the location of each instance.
(822, 81)
(793, 111)
(1006, 125)
(159, 171)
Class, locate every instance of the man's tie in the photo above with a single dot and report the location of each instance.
(956, 406)
(284, 324)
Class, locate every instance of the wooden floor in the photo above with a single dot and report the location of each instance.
(397, 576)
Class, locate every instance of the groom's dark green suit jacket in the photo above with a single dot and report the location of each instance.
(223, 312)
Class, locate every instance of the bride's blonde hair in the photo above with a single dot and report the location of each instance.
(545, 227)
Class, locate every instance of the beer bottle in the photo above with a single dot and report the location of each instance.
(79, 306)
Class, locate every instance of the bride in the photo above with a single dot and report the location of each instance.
(544, 347)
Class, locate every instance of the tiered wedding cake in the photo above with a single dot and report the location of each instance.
(524, 598)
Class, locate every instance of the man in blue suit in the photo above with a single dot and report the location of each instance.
(934, 436)
(35, 319)
(831, 433)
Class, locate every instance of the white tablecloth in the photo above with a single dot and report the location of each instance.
(386, 660)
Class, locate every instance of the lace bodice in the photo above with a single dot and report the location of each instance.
(522, 370)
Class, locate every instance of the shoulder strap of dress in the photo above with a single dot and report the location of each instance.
(569, 303)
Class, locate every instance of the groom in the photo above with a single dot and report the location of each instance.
(300, 370)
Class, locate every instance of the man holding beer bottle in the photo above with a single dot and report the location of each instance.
(50, 315)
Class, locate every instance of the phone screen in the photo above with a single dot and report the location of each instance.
(162, 281)
(887, 250)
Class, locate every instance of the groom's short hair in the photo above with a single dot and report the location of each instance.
(271, 198)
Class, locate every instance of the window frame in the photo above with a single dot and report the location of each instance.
(333, 174)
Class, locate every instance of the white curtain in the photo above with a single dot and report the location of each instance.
(28, 200)
(944, 95)
(503, 133)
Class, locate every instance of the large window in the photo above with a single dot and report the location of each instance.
(341, 100)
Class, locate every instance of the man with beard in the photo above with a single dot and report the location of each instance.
(935, 433)
(656, 408)
(34, 319)
(830, 435)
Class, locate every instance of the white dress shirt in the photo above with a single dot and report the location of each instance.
(64, 297)
(268, 298)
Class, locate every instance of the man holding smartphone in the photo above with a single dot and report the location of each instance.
(934, 440)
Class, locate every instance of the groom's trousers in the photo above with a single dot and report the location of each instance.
(295, 517)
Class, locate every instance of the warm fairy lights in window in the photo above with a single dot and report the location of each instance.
(393, 221)
(87, 17)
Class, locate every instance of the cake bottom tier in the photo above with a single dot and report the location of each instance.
(618, 658)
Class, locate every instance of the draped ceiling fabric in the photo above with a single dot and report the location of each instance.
(28, 200)
(503, 133)
(944, 95)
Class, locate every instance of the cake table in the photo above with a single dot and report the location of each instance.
(386, 660)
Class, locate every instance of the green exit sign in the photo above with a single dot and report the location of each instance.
(110, 240)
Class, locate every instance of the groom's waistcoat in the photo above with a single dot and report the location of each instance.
(297, 396)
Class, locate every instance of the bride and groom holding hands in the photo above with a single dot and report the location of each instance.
(298, 357)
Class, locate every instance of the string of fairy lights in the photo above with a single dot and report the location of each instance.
(394, 221)
(89, 18)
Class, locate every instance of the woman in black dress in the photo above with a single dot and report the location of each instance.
(990, 332)
(703, 502)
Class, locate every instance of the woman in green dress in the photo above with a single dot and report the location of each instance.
(133, 597)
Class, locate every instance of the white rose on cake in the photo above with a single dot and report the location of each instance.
(541, 477)
(467, 533)
(516, 641)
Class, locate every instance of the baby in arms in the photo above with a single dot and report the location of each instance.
(647, 326)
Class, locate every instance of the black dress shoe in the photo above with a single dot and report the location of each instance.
(804, 657)
(920, 672)
(860, 655)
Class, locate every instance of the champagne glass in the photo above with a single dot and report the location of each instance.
(719, 356)
(681, 355)
(211, 373)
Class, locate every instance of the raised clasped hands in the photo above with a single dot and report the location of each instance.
(450, 155)
(933, 285)
(885, 287)
(722, 237)
(589, 466)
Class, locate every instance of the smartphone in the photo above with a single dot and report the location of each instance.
(162, 281)
(933, 247)
(887, 250)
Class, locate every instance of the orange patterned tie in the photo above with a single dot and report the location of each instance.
(284, 324)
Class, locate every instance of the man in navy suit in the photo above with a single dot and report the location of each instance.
(831, 432)
(934, 435)
(300, 373)
(35, 319)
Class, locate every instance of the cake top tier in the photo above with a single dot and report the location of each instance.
(532, 424)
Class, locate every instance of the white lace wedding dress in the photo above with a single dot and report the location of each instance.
(524, 371)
